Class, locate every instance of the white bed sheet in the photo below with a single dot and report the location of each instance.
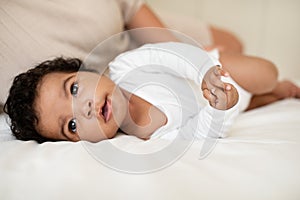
(259, 160)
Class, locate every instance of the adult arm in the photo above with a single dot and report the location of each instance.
(154, 29)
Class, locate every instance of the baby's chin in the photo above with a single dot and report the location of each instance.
(97, 134)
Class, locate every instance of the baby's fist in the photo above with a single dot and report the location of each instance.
(222, 98)
(232, 96)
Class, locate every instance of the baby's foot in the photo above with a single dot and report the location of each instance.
(286, 89)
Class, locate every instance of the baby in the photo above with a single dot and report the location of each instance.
(149, 93)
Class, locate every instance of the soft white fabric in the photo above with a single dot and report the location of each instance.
(259, 160)
(5, 133)
(32, 31)
(157, 73)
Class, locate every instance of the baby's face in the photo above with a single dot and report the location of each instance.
(79, 106)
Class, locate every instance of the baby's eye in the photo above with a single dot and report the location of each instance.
(72, 126)
(74, 89)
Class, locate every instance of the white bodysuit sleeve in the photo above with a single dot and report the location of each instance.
(210, 123)
(185, 61)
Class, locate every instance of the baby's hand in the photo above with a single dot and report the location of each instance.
(220, 95)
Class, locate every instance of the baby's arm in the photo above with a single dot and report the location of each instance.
(194, 64)
(179, 59)
(185, 61)
(210, 122)
(214, 120)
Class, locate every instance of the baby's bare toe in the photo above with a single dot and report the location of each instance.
(287, 89)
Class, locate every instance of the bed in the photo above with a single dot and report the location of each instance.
(259, 160)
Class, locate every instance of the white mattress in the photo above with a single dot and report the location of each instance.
(259, 160)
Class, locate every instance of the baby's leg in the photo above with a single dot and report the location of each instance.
(259, 77)
(227, 40)
(255, 75)
(283, 90)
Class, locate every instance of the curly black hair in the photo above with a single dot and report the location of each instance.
(20, 103)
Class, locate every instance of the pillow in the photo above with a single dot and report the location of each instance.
(35, 31)
(5, 132)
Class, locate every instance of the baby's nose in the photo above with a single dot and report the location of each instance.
(85, 108)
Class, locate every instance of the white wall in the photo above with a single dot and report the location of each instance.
(268, 28)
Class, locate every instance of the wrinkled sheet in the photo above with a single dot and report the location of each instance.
(259, 160)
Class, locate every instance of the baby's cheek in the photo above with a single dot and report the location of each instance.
(90, 130)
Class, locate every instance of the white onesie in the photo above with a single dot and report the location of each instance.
(169, 76)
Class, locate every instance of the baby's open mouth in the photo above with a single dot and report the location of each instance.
(106, 110)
